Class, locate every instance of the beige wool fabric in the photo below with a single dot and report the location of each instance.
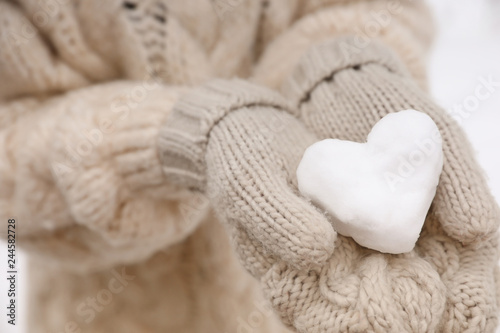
(252, 148)
(455, 259)
(444, 285)
(106, 143)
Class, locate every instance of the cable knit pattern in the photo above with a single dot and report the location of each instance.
(447, 283)
(143, 38)
(106, 126)
(80, 169)
(359, 291)
(440, 286)
(88, 159)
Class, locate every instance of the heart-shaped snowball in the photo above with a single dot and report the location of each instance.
(377, 192)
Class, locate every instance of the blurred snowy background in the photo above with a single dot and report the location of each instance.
(466, 52)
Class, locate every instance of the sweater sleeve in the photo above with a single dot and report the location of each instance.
(81, 174)
(48, 47)
(405, 26)
(85, 89)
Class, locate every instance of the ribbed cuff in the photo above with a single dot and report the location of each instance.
(322, 61)
(184, 136)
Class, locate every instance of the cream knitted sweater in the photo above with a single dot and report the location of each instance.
(117, 246)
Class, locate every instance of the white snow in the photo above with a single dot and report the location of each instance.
(377, 192)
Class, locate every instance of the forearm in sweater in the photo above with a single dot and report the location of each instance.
(81, 174)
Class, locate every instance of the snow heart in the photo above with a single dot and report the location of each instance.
(377, 192)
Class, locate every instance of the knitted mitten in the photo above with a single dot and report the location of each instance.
(240, 145)
(447, 283)
(342, 91)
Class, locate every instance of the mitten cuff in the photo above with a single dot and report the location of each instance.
(184, 136)
(322, 61)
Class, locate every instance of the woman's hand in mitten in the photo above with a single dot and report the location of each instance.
(446, 283)
(240, 144)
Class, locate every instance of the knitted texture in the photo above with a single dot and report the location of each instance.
(371, 83)
(283, 241)
(447, 283)
(85, 175)
(183, 138)
(27, 65)
(251, 146)
(79, 164)
(81, 216)
(143, 38)
(193, 286)
(81, 168)
(396, 23)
